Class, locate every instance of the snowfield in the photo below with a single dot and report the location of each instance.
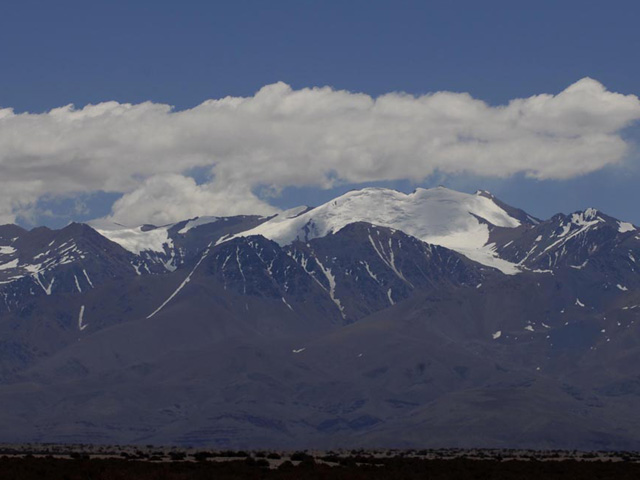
(137, 240)
(439, 216)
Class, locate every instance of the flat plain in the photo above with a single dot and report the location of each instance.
(71, 462)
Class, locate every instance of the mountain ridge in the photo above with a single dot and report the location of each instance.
(204, 333)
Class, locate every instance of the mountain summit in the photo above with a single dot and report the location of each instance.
(438, 216)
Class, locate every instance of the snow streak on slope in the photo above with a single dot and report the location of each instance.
(439, 216)
(390, 261)
(86, 275)
(81, 324)
(182, 285)
(48, 289)
(332, 286)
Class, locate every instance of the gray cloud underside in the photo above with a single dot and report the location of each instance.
(311, 137)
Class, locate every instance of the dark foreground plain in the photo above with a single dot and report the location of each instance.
(114, 463)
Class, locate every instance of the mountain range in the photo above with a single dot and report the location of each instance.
(379, 319)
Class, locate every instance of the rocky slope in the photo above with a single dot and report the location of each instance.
(378, 319)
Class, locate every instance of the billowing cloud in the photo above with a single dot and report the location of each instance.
(164, 199)
(310, 137)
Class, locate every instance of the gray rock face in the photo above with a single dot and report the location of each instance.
(376, 267)
(366, 336)
(188, 243)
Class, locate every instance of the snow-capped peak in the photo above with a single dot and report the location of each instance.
(438, 215)
(589, 216)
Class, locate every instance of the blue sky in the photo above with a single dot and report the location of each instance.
(183, 53)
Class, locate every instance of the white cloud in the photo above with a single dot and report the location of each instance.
(311, 137)
(167, 198)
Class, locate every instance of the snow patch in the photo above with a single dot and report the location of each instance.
(624, 227)
(496, 335)
(136, 240)
(486, 255)
(87, 277)
(81, 324)
(197, 222)
(48, 289)
(9, 265)
(244, 280)
(581, 266)
(183, 284)
(584, 220)
(287, 304)
(371, 274)
(332, 286)
(388, 260)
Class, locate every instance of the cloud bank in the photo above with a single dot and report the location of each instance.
(310, 137)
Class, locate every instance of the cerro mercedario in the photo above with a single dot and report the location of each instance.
(379, 319)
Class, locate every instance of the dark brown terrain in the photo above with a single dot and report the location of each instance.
(28, 462)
